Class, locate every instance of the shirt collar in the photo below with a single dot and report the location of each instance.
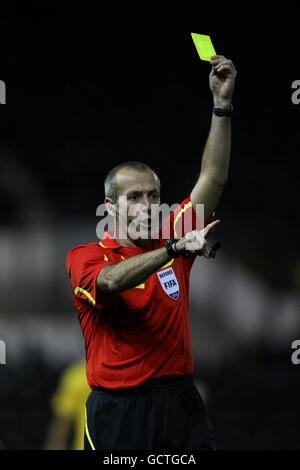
(108, 241)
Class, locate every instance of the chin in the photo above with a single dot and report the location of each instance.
(141, 233)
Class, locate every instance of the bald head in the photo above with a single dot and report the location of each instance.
(126, 174)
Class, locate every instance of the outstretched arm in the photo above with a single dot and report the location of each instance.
(216, 155)
(134, 270)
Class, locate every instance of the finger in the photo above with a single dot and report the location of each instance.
(219, 60)
(222, 60)
(215, 63)
(225, 70)
(206, 252)
(216, 58)
(222, 63)
(226, 66)
(209, 227)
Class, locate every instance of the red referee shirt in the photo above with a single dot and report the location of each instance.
(139, 333)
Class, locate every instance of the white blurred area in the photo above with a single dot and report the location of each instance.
(229, 306)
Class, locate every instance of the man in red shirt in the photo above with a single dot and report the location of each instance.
(131, 295)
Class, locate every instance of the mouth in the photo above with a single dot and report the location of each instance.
(146, 222)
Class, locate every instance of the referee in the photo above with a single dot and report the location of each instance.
(131, 295)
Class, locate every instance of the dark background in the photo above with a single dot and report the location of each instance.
(89, 88)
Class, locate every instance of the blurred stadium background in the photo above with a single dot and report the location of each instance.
(88, 91)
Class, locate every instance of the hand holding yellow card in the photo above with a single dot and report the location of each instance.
(204, 46)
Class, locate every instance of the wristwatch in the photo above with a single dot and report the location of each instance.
(173, 253)
(223, 112)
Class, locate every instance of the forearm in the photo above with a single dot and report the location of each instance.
(214, 166)
(132, 271)
(215, 158)
(216, 155)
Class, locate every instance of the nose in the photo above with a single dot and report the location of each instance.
(146, 203)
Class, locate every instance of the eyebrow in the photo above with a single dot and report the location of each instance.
(136, 191)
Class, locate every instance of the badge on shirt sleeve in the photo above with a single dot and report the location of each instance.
(169, 282)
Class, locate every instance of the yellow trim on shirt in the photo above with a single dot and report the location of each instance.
(103, 246)
(180, 214)
(85, 292)
(168, 264)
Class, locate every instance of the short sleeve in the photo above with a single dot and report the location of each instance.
(83, 265)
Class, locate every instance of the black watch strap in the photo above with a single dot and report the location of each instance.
(171, 252)
(168, 245)
(223, 112)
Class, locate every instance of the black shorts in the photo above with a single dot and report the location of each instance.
(150, 416)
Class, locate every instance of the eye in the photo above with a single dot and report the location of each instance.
(154, 196)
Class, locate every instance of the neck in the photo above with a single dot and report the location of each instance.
(140, 242)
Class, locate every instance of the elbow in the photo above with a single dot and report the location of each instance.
(107, 284)
(220, 183)
(215, 179)
(110, 287)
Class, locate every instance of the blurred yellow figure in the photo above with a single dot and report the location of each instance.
(68, 406)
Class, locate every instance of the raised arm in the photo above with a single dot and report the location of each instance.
(216, 155)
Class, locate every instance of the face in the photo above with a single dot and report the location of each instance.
(137, 208)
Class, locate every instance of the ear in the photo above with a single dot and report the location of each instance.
(109, 204)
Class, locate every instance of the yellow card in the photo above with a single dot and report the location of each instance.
(204, 46)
